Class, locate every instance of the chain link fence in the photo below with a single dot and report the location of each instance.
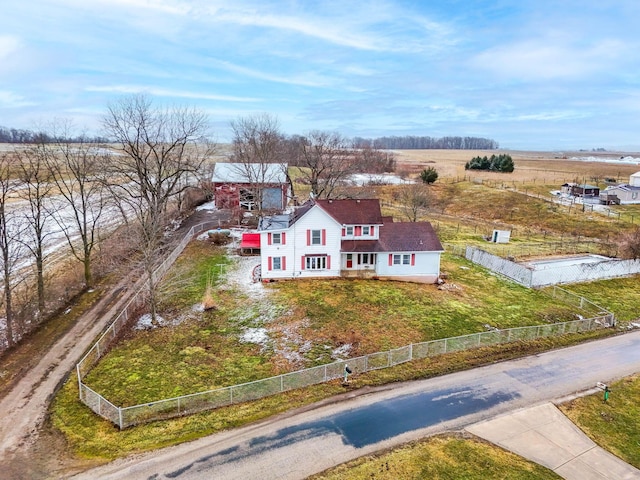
(137, 301)
(124, 417)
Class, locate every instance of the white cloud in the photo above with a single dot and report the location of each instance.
(163, 92)
(549, 58)
(8, 44)
(308, 80)
(12, 100)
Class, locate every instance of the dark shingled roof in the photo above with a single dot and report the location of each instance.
(398, 237)
(409, 237)
(353, 211)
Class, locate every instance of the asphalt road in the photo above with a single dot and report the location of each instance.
(300, 443)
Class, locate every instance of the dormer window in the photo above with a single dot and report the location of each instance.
(365, 230)
(349, 231)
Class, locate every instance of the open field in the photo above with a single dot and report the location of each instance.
(547, 168)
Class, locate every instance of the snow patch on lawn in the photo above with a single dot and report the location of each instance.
(239, 276)
(258, 336)
(342, 352)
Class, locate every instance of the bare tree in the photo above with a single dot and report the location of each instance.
(36, 188)
(74, 169)
(10, 248)
(372, 160)
(160, 148)
(257, 149)
(326, 160)
(630, 245)
(414, 200)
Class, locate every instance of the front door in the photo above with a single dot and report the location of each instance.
(349, 260)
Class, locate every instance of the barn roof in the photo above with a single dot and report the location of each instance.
(249, 173)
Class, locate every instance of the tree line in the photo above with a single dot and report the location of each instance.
(17, 135)
(410, 142)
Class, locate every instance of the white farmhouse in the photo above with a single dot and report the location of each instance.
(347, 238)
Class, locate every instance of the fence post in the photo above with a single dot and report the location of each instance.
(120, 418)
(445, 345)
(411, 351)
(325, 372)
(281, 383)
(79, 380)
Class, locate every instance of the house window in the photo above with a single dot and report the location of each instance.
(316, 263)
(277, 239)
(276, 263)
(365, 230)
(350, 231)
(316, 237)
(402, 259)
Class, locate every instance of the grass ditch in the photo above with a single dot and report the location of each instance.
(614, 425)
(442, 457)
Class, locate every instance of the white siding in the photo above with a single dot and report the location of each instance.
(296, 247)
(375, 236)
(426, 263)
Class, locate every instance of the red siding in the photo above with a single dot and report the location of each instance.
(358, 231)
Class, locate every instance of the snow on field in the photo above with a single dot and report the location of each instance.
(362, 179)
(626, 160)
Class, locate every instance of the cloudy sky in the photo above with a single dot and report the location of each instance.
(530, 74)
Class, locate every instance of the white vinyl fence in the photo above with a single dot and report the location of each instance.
(553, 274)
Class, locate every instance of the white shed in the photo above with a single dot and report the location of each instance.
(501, 236)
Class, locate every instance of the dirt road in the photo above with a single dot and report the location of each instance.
(23, 410)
